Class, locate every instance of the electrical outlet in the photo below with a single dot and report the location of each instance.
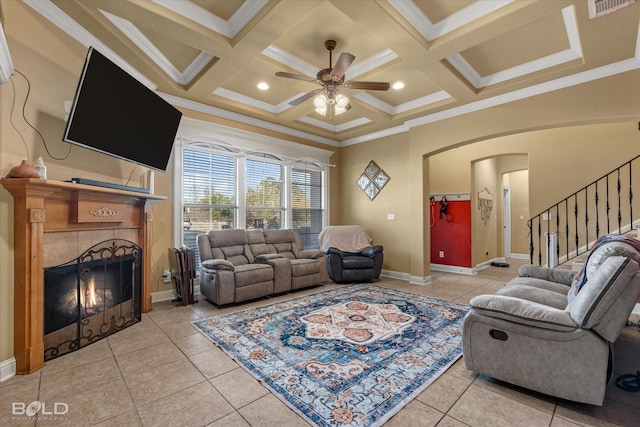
(441, 254)
(166, 276)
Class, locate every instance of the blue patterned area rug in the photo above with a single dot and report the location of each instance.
(350, 356)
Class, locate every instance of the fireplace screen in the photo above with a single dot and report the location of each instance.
(91, 297)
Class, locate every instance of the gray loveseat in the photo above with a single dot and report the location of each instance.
(552, 330)
(240, 265)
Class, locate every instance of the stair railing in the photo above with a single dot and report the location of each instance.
(569, 228)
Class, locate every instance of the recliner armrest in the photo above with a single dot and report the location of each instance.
(371, 250)
(556, 275)
(217, 264)
(335, 251)
(311, 253)
(523, 312)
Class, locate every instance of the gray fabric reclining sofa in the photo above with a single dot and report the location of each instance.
(241, 265)
(552, 330)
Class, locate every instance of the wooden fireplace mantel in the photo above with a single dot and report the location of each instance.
(42, 206)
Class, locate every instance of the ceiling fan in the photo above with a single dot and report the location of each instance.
(331, 79)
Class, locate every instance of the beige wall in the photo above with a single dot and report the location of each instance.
(354, 207)
(518, 183)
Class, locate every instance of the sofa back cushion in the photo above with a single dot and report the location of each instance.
(232, 245)
(284, 242)
(257, 243)
(607, 297)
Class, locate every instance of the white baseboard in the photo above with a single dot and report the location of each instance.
(452, 269)
(7, 369)
(420, 280)
(519, 256)
(170, 295)
(395, 275)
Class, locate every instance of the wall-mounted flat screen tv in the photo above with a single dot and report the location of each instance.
(115, 114)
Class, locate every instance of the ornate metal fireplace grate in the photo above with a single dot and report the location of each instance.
(92, 296)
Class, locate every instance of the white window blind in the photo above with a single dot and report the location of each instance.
(208, 192)
(307, 204)
(264, 192)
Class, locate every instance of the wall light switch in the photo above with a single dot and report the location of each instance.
(391, 217)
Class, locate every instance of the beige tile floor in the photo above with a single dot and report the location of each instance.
(162, 372)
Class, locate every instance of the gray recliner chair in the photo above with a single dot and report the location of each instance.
(551, 330)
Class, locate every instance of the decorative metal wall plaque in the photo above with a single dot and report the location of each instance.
(372, 180)
(485, 204)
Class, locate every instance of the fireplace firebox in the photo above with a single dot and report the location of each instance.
(92, 296)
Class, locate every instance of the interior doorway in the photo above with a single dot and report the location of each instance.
(506, 197)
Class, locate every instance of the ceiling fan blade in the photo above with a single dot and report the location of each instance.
(295, 76)
(304, 97)
(343, 63)
(368, 85)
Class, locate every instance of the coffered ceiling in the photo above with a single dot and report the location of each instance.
(453, 56)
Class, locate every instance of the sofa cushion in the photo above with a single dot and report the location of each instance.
(282, 242)
(249, 274)
(533, 294)
(541, 284)
(304, 267)
(235, 254)
(257, 244)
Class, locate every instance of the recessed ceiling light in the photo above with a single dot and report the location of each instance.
(398, 85)
(263, 86)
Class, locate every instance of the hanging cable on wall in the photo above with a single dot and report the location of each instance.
(24, 104)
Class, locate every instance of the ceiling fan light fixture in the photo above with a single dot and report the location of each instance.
(320, 101)
(341, 102)
(322, 111)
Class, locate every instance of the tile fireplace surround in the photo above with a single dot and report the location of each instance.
(54, 222)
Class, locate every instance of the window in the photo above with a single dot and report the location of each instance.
(208, 193)
(307, 204)
(263, 192)
(221, 187)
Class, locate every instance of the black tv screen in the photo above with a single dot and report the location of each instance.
(115, 114)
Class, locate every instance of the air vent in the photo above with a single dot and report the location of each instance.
(602, 7)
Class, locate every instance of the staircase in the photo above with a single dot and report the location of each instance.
(568, 229)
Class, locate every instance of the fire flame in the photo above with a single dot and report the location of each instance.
(90, 295)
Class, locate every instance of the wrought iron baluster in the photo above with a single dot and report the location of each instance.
(575, 210)
(608, 208)
(586, 215)
(630, 200)
(539, 240)
(619, 203)
(557, 233)
(597, 214)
